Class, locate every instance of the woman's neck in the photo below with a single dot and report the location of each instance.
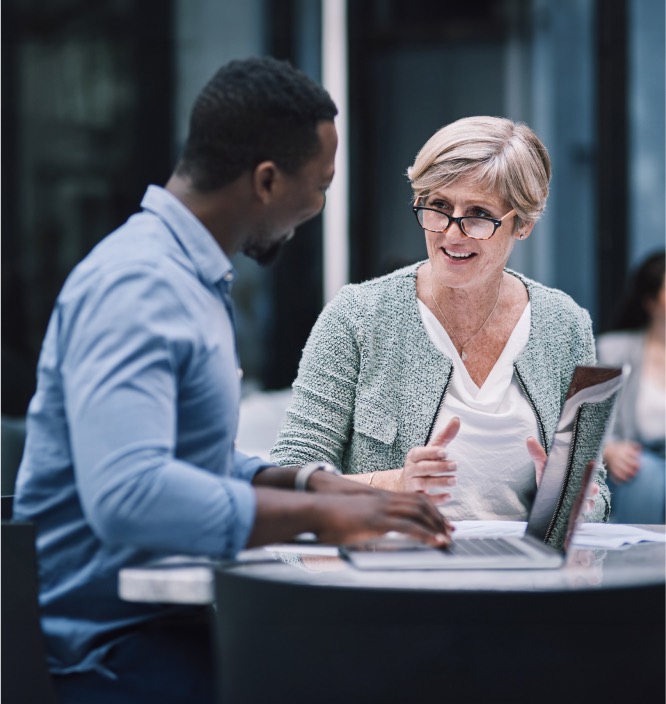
(656, 332)
(466, 304)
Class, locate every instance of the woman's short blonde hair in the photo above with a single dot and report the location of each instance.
(503, 156)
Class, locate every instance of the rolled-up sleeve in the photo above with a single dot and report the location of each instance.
(127, 346)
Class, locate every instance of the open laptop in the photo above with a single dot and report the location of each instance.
(557, 503)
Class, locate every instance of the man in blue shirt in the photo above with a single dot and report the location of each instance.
(130, 447)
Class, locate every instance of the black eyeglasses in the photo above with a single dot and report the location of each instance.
(476, 227)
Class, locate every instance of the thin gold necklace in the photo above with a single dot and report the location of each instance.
(463, 354)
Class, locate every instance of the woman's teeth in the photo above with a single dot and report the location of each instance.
(458, 255)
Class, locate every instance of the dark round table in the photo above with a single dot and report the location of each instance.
(306, 628)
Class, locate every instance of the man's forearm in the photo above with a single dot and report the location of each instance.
(282, 515)
(276, 477)
(284, 478)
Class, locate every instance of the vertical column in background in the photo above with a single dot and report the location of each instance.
(526, 100)
(647, 181)
(612, 123)
(336, 213)
(535, 257)
(564, 247)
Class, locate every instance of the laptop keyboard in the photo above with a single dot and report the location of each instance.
(483, 546)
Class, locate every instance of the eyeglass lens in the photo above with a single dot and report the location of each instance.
(478, 228)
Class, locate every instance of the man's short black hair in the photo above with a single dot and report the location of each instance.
(253, 110)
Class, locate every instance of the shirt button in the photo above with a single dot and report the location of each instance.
(229, 277)
(239, 371)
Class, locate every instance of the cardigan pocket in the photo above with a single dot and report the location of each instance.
(375, 431)
(375, 422)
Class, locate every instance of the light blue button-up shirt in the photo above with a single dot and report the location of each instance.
(130, 435)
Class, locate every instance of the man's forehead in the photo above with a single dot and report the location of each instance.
(328, 139)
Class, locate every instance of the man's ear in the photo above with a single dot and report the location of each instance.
(266, 181)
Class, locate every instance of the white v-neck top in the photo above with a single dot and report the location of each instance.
(496, 476)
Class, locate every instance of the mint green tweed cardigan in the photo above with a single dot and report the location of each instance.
(370, 381)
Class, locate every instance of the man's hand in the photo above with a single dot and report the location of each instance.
(341, 517)
(361, 517)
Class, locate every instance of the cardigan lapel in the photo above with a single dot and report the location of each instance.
(426, 369)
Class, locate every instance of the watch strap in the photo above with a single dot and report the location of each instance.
(307, 470)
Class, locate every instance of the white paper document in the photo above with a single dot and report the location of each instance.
(589, 535)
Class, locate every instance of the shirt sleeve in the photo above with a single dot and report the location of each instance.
(123, 345)
(247, 466)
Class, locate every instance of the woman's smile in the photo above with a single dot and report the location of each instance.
(458, 256)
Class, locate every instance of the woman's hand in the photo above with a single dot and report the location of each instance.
(428, 469)
(539, 457)
(622, 459)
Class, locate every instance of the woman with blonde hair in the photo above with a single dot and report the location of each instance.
(451, 371)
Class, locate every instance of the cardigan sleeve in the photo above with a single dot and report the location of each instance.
(318, 422)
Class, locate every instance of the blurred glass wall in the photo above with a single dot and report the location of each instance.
(96, 98)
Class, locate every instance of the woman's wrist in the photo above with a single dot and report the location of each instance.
(385, 479)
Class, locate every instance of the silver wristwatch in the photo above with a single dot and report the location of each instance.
(304, 473)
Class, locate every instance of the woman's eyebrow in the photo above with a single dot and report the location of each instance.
(471, 203)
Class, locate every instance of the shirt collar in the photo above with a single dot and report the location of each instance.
(210, 261)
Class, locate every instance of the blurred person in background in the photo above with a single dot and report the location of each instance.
(634, 449)
(451, 371)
